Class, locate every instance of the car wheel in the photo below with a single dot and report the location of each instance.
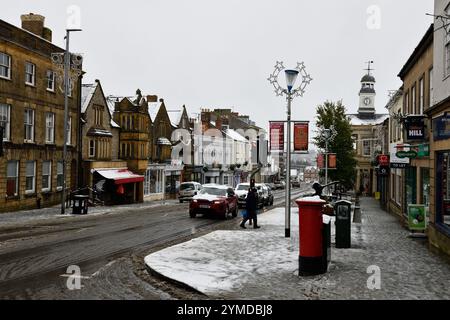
(192, 214)
(181, 201)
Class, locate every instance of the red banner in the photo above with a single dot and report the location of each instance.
(332, 161)
(301, 137)
(277, 136)
(320, 161)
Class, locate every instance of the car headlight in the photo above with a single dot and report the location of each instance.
(194, 201)
(217, 202)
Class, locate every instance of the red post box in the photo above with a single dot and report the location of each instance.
(312, 242)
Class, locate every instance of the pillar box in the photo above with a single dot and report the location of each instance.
(313, 257)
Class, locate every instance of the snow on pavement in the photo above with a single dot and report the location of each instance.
(214, 264)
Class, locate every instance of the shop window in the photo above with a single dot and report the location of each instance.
(443, 188)
(410, 185)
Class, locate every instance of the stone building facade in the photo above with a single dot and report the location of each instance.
(32, 118)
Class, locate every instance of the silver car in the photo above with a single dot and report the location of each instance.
(188, 190)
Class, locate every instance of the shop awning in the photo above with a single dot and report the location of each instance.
(120, 176)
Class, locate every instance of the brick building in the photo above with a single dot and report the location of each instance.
(32, 118)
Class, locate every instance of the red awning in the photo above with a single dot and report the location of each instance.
(120, 176)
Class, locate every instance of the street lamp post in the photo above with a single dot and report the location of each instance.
(290, 92)
(68, 66)
(329, 135)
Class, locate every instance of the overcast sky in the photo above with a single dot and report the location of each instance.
(219, 53)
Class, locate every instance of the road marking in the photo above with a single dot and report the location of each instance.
(96, 273)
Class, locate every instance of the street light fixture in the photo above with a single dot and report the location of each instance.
(329, 134)
(290, 92)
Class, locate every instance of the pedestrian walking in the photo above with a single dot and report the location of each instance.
(251, 204)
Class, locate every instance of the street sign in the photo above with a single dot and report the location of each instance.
(415, 128)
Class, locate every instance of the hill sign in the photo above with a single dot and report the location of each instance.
(407, 154)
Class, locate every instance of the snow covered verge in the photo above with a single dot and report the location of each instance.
(226, 260)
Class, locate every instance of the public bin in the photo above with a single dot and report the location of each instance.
(314, 254)
(80, 204)
(343, 215)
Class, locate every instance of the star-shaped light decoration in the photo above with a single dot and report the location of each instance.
(300, 90)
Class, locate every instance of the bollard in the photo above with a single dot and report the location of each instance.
(343, 210)
(314, 254)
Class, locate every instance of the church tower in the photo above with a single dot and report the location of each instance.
(367, 95)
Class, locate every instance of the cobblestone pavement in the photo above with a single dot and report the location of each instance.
(408, 269)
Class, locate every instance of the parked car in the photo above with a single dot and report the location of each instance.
(295, 184)
(242, 191)
(188, 190)
(216, 200)
(271, 186)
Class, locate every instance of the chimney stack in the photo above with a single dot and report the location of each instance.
(34, 23)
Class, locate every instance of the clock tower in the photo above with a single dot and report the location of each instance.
(367, 95)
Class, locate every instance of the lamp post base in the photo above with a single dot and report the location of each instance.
(287, 233)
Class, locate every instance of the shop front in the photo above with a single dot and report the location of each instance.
(154, 182)
(193, 174)
(173, 175)
(117, 186)
(439, 229)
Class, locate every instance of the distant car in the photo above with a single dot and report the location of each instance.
(216, 200)
(271, 186)
(188, 190)
(242, 191)
(296, 184)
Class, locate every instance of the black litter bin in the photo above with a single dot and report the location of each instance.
(80, 204)
(343, 215)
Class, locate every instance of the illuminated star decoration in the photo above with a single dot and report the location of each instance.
(300, 90)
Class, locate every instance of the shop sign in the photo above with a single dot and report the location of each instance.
(417, 217)
(441, 127)
(383, 171)
(396, 162)
(423, 150)
(301, 136)
(415, 128)
(383, 160)
(277, 136)
(412, 154)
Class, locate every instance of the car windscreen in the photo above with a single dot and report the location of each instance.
(243, 187)
(214, 191)
(187, 186)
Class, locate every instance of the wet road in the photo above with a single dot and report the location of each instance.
(108, 250)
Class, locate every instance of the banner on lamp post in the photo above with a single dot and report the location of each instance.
(301, 136)
(332, 161)
(320, 161)
(276, 136)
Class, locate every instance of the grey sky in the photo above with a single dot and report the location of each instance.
(219, 53)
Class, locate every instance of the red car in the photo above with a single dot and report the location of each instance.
(216, 200)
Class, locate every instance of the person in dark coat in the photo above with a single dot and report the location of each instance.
(251, 204)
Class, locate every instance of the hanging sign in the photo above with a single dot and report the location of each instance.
(415, 128)
(396, 162)
(277, 136)
(301, 137)
(383, 160)
(412, 154)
